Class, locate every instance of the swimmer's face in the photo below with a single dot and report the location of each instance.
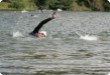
(41, 35)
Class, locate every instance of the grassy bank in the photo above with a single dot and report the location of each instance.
(77, 7)
(31, 6)
(73, 5)
(4, 6)
(18, 5)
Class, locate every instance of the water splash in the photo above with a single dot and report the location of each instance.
(59, 9)
(24, 11)
(17, 34)
(108, 73)
(1, 74)
(87, 37)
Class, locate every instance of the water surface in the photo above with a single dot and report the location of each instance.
(63, 51)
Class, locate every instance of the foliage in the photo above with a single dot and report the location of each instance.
(55, 4)
(84, 2)
(77, 5)
(106, 5)
(3, 5)
(63, 4)
(43, 4)
(95, 5)
(17, 4)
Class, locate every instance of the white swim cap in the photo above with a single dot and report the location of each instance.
(44, 32)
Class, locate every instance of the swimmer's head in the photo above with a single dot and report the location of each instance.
(42, 34)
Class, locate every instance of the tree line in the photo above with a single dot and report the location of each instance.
(75, 5)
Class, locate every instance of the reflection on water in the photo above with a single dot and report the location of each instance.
(63, 51)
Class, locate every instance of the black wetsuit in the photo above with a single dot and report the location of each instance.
(40, 25)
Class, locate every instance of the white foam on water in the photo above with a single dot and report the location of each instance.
(24, 11)
(1, 74)
(17, 34)
(89, 37)
(59, 9)
(108, 73)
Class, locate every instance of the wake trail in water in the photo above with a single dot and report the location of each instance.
(20, 36)
(87, 37)
(17, 34)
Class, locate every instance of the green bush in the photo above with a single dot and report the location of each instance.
(17, 4)
(106, 5)
(55, 4)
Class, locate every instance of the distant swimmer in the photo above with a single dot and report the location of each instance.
(36, 32)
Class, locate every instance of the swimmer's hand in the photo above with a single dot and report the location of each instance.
(54, 15)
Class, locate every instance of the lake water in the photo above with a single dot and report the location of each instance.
(78, 43)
